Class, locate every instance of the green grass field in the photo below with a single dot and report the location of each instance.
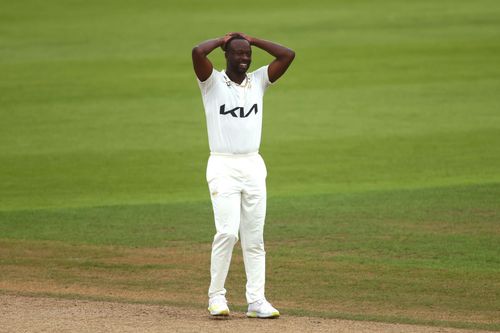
(382, 144)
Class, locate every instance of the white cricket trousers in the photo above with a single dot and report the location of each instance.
(237, 186)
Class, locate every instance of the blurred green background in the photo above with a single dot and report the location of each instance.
(100, 105)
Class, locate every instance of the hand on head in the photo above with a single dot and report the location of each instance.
(231, 35)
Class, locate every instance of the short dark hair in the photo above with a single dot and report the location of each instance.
(226, 46)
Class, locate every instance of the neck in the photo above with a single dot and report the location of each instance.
(236, 77)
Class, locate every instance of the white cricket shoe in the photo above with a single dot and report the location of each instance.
(217, 306)
(262, 309)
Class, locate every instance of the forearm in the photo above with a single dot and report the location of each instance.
(276, 50)
(208, 46)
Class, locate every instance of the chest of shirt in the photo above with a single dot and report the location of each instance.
(234, 95)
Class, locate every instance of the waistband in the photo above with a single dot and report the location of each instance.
(212, 153)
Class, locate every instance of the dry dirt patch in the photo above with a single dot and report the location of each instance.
(38, 314)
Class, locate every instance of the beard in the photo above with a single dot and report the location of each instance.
(239, 67)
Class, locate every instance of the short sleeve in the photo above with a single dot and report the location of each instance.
(261, 76)
(206, 85)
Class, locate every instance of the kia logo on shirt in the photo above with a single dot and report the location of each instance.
(238, 111)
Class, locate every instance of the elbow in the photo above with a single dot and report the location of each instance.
(197, 53)
(290, 55)
(196, 50)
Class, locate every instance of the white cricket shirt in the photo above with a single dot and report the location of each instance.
(234, 112)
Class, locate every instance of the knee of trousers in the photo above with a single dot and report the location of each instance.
(225, 238)
(255, 248)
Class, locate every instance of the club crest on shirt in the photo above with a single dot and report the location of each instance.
(238, 111)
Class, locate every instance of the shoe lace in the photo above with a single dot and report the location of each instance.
(263, 305)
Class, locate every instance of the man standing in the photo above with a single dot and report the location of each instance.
(236, 173)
